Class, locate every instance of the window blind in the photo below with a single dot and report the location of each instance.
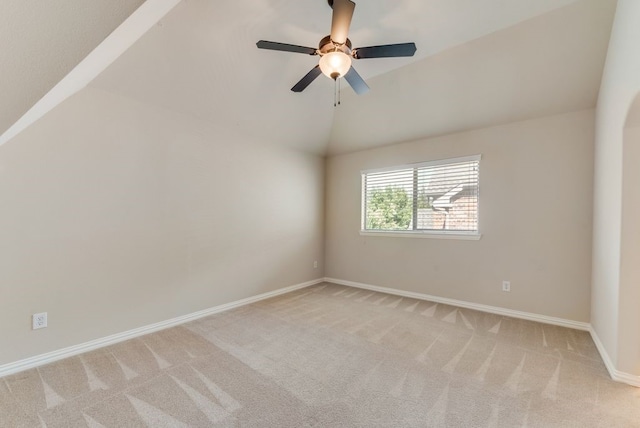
(431, 196)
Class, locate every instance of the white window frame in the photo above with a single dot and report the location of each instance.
(434, 234)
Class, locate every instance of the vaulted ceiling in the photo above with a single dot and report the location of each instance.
(42, 41)
(478, 63)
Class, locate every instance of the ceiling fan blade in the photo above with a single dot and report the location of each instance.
(264, 44)
(341, 21)
(307, 79)
(385, 51)
(357, 83)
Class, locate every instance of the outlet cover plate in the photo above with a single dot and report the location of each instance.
(39, 320)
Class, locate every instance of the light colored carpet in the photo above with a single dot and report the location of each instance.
(328, 356)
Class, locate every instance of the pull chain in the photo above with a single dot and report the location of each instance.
(336, 92)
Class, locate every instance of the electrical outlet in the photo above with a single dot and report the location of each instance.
(506, 286)
(39, 320)
(315, 264)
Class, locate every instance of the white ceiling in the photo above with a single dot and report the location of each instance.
(201, 60)
(41, 41)
(547, 65)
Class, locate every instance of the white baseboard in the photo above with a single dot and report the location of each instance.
(461, 303)
(615, 374)
(70, 351)
(50, 357)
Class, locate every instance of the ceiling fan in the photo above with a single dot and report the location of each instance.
(336, 52)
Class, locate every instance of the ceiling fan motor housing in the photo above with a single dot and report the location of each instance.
(326, 45)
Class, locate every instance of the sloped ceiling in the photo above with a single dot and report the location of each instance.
(41, 41)
(201, 59)
(547, 65)
(478, 63)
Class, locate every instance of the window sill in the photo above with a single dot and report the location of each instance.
(431, 235)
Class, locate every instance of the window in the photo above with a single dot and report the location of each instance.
(430, 198)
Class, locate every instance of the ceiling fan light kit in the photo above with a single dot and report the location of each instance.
(335, 51)
(335, 64)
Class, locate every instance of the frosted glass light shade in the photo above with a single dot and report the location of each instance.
(335, 64)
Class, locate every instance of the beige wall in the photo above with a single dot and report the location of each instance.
(535, 219)
(116, 215)
(615, 326)
(629, 347)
